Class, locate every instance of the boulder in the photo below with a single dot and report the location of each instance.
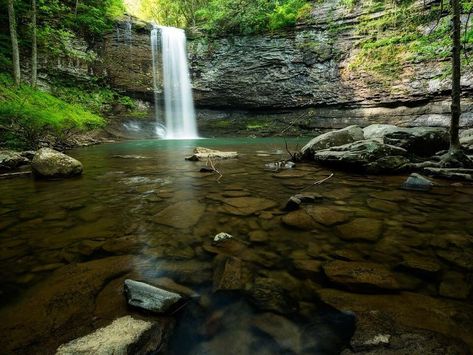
(333, 139)
(378, 131)
(201, 153)
(181, 215)
(361, 276)
(421, 141)
(10, 160)
(49, 163)
(466, 138)
(362, 155)
(125, 336)
(417, 182)
(148, 297)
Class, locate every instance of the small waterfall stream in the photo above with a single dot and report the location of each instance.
(179, 110)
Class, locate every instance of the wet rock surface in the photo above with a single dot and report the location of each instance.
(49, 163)
(148, 297)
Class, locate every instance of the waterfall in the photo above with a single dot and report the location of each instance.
(178, 102)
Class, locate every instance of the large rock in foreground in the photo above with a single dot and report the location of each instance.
(124, 336)
(370, 155)
(333, 139)
(10, 160)
(49, 163)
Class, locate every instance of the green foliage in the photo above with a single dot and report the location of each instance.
(29, 115)
(287, 13)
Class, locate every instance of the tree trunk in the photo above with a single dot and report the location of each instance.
(34, 47)
(14, 43)
(456, 76)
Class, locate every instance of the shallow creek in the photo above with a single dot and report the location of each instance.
(366, 264)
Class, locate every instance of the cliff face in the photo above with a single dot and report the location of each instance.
(300, 76)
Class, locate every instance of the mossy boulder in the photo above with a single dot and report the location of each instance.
(49, 163)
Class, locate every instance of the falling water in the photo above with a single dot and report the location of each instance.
(160, 129)
(178, 103)
(128, 32)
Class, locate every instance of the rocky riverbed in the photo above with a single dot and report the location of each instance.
(361, 266)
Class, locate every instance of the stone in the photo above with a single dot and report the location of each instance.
(192, 271)
(125, 335)
(378, 131)
(450, 173)
(292, 204)
(228, 274)
(229, 246)
(222, 236)
(300, 220)
(359, 155)
(308, 197)
(332, 139)
(362, 277)
(10, 160)
(149, 297)
(201, 153)
(326, 215)
(268, 295)
(421, 265)
(417, 182)
(363, 229)
(308, 266)
(181, 215)
(258, 236)
(49, 163)
(421, 141)
(285, 333)
(454, 285)
(382, 205)
(408, 309)
(245, 206)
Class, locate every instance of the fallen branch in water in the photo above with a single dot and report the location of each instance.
(212, 166)
(318, 182)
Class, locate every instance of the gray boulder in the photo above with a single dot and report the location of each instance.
(124, 336)
(333, 139)
(148, 297)
(421, 141)
(10, 160)
(49, 163)
(378, 131)
(363, 155)
(417, 182)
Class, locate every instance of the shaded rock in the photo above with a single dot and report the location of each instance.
(454, 285)
(421, 265)
(326, 215)
(185, 271)
(333, 139)
(49, 163)
(417, 182)
(382, 205)
(268, 295)
(365, 229)
(228, 274)
(125, 335)
(201, 153)
(28, 154)
(299, 219)
(308, 266)
(308, 197)
(148, 297)
(378, 334)
(245, 206)
(450, 173)
(181, 215)
(411, 310)
(292, 204)
(378, 131)
(10, 160)
(390, 164)
(258, 236)
(285, 333)
(421, 141)
(359, 155)
(361, 276)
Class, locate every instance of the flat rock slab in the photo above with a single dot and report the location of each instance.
(201, 153)
(148, 297)
(125, 336)
(361, 276)
(326, 215)
(181, 215)
(299, 219)
(245, 206)
(364, 229)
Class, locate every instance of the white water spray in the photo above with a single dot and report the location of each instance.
(178, 102)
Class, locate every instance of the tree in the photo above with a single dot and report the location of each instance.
(14, 43)
(34, 45)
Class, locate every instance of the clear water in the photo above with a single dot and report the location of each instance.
(109, 219)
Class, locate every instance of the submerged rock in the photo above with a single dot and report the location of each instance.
(10, 160)
(245, 206)
(285, 333)
(228, 275)
(124, 336)
(268, 295)
(333, 139)
(417, 182)
(181, 215)
(148, 297)
(201, 153)
(365, 229)
(361, 276)
(49, 163)
(292, 204)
